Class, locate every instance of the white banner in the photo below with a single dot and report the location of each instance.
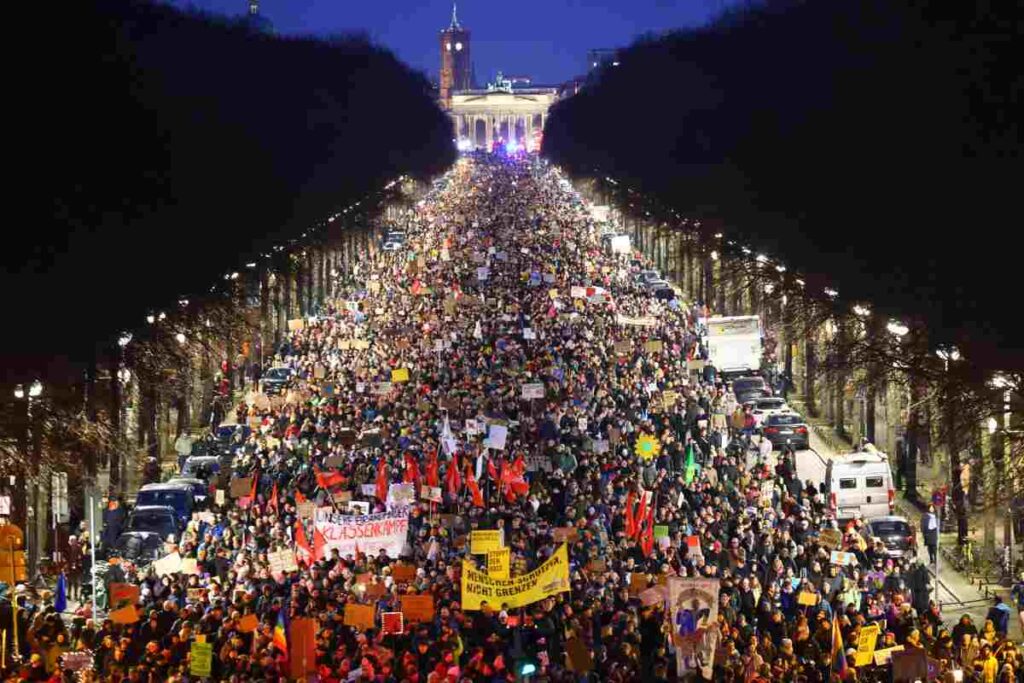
(370, 533)
(533, 390)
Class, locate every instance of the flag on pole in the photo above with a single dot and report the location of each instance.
(272, 503)
(474, 488)
(305, 553)
(641, 514)
(382, 479)
(60, 602)
(280, 637)
(839, 665)
(433, 476)
(630, 519)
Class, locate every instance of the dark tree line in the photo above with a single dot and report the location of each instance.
(154, 150)
(876, 142)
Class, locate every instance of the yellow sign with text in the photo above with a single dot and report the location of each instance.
(498, 563)
(549, 579)
(484, 541)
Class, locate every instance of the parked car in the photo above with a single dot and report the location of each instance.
(646, 276)
(178, 497)
(896, 534)
(664, 293)
(275, 380)
(787, 429)
(161, 520)
(763, 408)
(860, 485)
(140, 547)
(750, 388)
(200, 489)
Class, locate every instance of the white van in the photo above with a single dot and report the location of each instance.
(860, 484)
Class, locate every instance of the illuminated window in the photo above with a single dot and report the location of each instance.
(448, 46)
(458, 46)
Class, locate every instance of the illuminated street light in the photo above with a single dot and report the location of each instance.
(897, 328)
(950, 354)
(993, 425)
(180, 337)
(780, 268)
(162, 316)
(124, 340)
(183, 303)
(800, 282)
(769, 288)
(718, 235)
(999, 381)
(831, 293)
(36, 390)
(861, 311)
(150, 318)
(714, 255)
(19, 391)
(746, 251)
(761, 258)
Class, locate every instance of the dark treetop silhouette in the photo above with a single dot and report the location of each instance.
(157, 149)
(877, 142)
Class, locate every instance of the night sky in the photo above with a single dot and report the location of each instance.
(545, 39)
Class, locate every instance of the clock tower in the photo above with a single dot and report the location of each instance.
(456, 70)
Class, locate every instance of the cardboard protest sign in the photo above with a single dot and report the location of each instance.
(660, 531)
(241, 486)
(391, 623)
(638, 583)
(195, 595)
(219, 498)
(496, 437)
(807, 599)
(533, 390)
(124, 615)
(431, 493)
(77, 661)
(654, 346)
(841, 558)
(169, 564)
(400, 375)
(579, 658)
(122, 593)
(360, 507)
(306, 509)
(282, 562)
(498, 562)
(375, 590)
(296, 324)
(201, 659)
(401, 494)
(562, 534)
(483, 541)
(403, 573)
(248, 623)
(359, 616)
(623, 348)
(189, 565)
(830, 538)
(597, 566)
(417, 608)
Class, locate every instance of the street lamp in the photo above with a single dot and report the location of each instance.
(948, 354)
(897, 329)
(861, 311)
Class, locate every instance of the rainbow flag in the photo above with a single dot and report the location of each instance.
(839, 665)
(280, 638)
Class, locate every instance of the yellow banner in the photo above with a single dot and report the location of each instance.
(549, 579)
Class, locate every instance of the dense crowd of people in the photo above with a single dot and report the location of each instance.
(632, 453)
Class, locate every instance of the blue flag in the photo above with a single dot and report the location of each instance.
(60, 602)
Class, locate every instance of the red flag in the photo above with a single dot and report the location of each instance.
(518, 482)
(492, 472)
(478, 499)
(412, 469)
(319, 545)
(302, 543)
(326, 481)
(299, 498)
(630, 520)
(647, 544)
(452, 478)
(382, 479)
(433, 475)
(272, 503)
(641, 513)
